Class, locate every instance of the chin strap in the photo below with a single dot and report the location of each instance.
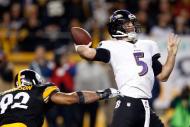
(131, 36)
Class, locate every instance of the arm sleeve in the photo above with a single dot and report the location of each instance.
(48, 91)
(102, 55)
(156, 65)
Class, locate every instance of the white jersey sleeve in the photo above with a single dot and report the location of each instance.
(155, 49)
(103, 44)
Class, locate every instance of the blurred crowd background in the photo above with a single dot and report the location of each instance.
(35, 34)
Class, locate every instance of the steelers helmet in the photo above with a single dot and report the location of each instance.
(116, 24)
(28, 77)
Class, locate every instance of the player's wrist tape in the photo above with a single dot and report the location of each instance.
(81, 97)
(104, 94)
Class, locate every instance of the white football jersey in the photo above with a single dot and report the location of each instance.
(132, 66)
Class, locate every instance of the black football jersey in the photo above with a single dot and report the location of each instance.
(25, 104)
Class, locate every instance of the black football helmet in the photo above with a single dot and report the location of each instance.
(116, 24)
(28, 77)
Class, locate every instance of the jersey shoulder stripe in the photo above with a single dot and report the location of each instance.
(48, 91)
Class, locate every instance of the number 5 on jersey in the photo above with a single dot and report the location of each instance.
(139, 62)
(8, 100)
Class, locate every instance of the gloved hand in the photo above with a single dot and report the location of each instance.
(108, 93)
(76, 46)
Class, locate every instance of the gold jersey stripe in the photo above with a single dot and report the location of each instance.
(48, 91)
(19, 80)
(14, 125)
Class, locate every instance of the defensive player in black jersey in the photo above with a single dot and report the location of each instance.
(25, 105)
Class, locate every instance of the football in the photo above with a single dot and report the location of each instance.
(80, 36)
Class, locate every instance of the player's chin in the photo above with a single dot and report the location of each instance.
(130, 30)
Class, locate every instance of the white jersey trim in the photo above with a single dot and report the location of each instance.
(147, 112)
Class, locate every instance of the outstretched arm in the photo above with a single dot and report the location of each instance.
(173, 44)
(83, 97)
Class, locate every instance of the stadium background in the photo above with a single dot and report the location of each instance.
(27, 27)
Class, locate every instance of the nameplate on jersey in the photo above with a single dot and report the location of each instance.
(25, 87)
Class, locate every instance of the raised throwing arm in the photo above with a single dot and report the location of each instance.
(98, 54)
(85, 51)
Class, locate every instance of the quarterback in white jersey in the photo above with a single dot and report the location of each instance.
(132, 66)
(135, 64)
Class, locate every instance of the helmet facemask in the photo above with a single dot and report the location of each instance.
(118, 27)
(28, 77)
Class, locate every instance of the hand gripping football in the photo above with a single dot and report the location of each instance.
(80, 36)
